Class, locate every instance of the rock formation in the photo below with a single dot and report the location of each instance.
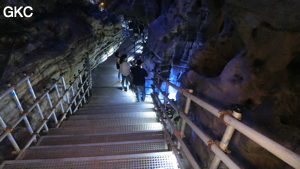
(56, 39)
(230, 53)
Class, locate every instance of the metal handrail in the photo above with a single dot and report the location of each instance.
(83, 88)
(178, 137)
(205, 138)
(278, 150)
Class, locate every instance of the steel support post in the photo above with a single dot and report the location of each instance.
(237, 113)
(65, 88)
(58, 96)
(186, 111)
(38, 105)
(73, 94)
(9, 136)
(82, 89)
(167, 93)
(77, 89)
(52, 108)
(66, 92)
(19, 106)
(88, 66)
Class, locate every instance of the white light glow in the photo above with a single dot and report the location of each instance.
(174, 160)
(172, 94)
(147, 105)
(149, 114)
(139, 51)
(157, 126)
(139, 41)
(148, 99)
(130, 58)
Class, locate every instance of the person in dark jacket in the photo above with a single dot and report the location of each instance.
(138, 74)
(117, 54)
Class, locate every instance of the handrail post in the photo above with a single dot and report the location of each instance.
(237, 113)
(186, 111)
(77, 88)
(167, 93)
(38, 105)
(9, 136)
(81, 86)
(51, 106)
(19, 106)
(73, 94)
(58, 96)
(65, 90)
(88, 66)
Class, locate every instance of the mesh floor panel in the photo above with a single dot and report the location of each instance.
(85, 139)
(50, 152)
(163, 160)
(105, 129)
(107, 122)
(118, 115)
(103, 111)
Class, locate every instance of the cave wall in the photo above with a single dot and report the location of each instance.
(233, 52)
(56, 39)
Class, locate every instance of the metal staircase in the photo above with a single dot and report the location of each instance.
(112, 132)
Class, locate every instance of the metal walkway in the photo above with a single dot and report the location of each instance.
(113, 131)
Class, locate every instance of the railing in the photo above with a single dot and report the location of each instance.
(96, 62)
(58, 97)
(231, 118)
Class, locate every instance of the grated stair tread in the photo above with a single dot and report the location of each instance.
(120, 105)
(119, 110)
(96, 149)
(107, 122)
(165, 160)
(110, 115)
(98, 138)
(106, 129)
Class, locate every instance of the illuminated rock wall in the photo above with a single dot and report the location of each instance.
(234, 52)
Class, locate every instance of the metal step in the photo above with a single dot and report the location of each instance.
(107, 122)
(115, 115)
(158, 160)
(113, 110)
(96, 149)
(98, 138)
(116, 106)
(106, 129)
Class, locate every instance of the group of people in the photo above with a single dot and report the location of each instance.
(133, 75)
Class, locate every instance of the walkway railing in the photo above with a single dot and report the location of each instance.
(231, 119)
(57, 98)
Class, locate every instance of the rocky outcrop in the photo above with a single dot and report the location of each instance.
(54, 40)
(230, 53)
